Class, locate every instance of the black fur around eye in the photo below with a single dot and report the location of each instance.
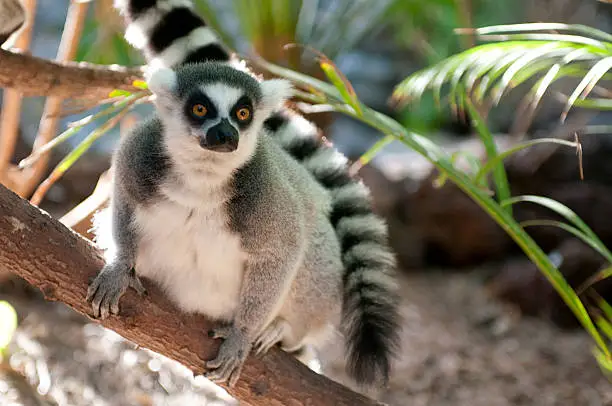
(242, 112)
(198, 108)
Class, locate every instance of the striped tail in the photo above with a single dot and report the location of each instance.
(170, 33)
(370, 307)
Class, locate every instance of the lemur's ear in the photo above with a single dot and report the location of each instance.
(161, 80)
(275, 93)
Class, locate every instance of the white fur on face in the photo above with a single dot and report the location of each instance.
(193, 163)
(224, 97)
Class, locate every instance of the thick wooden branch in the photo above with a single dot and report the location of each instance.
(33, 76)
(60, 263)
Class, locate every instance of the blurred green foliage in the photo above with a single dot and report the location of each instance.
(426, 29)
(102, 41)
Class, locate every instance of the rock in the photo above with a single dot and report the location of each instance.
(456, 231)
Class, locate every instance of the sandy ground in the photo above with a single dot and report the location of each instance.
(460, 348)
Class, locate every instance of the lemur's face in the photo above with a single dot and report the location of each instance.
(218, 115)
(220, 108)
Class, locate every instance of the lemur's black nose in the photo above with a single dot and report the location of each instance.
(221, 138)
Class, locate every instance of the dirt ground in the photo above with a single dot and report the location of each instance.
(460, 348)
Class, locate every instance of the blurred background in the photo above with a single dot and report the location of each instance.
(482, 326)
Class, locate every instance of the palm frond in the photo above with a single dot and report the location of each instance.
(578, 29)
(514, 55)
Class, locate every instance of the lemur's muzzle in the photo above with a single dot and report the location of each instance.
(221, 138)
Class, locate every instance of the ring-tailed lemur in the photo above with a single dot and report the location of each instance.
(260, 192)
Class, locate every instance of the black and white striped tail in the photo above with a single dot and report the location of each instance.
(370, 308)
(170, 33)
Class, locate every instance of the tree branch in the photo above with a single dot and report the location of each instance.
(11, 104)
(60, 263)
(33, 76)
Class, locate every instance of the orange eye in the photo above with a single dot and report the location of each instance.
(199, 110)
(243, 114)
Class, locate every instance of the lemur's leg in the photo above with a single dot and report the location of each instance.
(118, 273)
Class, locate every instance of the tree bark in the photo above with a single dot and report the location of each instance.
(60, 263)
(33, 76)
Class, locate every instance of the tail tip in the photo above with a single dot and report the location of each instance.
(370, 372)
(370, 355)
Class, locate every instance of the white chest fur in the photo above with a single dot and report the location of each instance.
(192, 255)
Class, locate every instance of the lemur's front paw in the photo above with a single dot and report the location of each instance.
(232, 354)
(107, 288)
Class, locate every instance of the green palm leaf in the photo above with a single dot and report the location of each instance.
(558, 27)
(588, 82)
(513, 55)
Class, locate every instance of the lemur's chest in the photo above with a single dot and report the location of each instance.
(193, 255)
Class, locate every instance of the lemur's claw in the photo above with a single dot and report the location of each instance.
(230, 359)
(108, 287)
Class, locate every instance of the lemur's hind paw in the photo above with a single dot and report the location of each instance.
(107, 288)
(230, 359)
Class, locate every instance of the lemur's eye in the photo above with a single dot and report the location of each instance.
(243, 113)
(199, 110)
